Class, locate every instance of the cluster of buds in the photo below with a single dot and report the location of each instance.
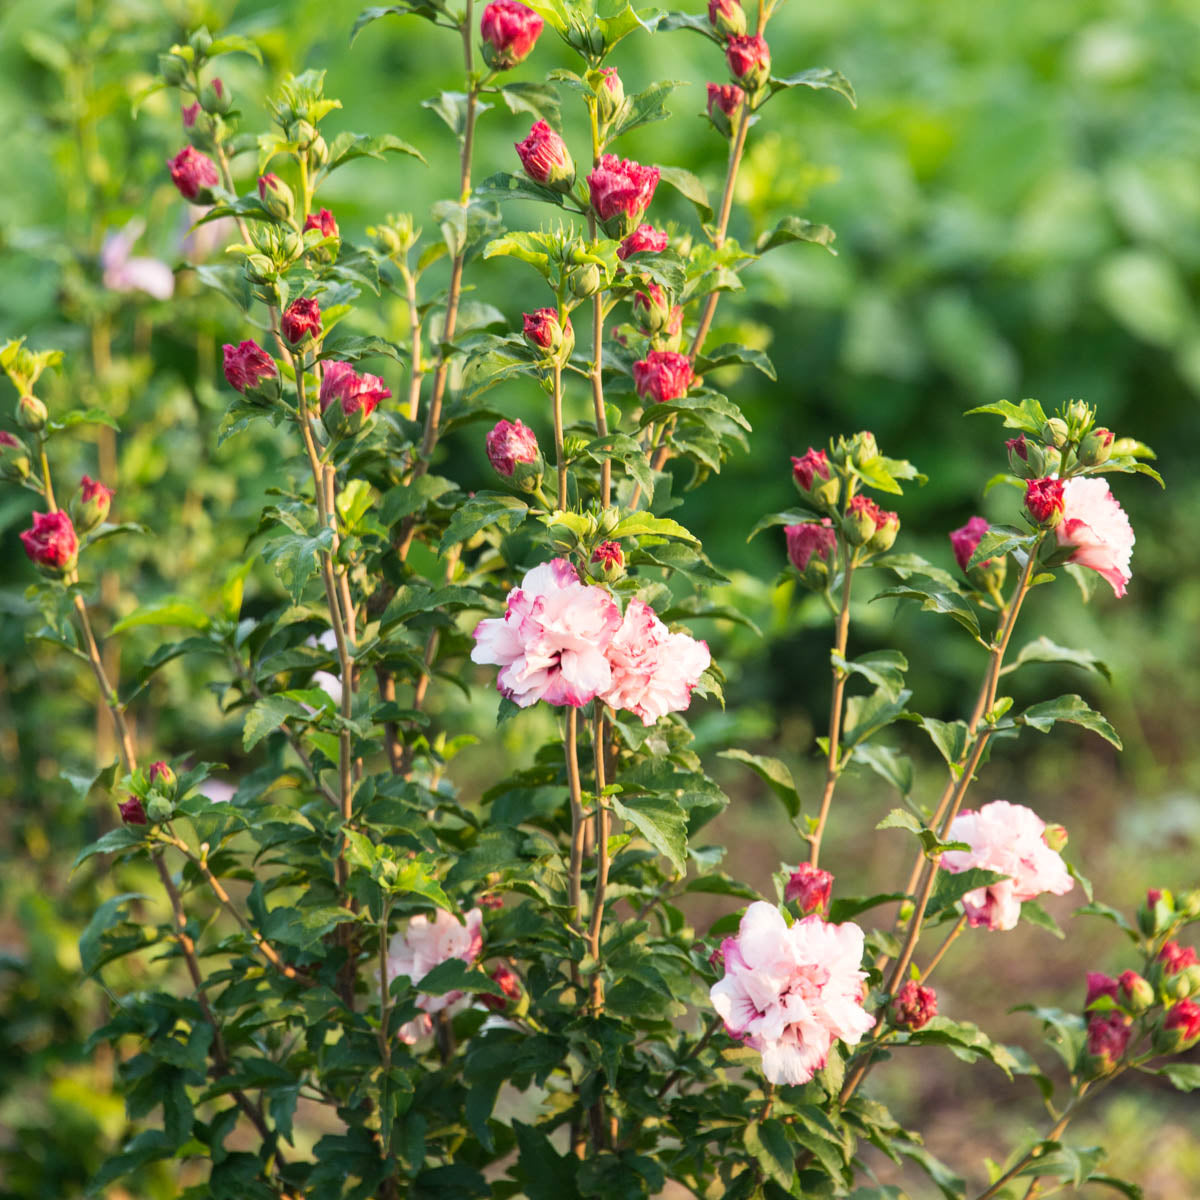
(153, 799)
(321, 236)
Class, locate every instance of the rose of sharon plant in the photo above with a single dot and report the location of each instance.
(324, 926)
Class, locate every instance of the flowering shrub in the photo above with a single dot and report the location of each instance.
(499, 994)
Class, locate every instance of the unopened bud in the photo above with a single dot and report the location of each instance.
(1055, 837)
(607, 562)
(132, 812)
(31, 414)
(584, 280)
(610, 95)
(861, 520)
(1096, 447)
(727, 17)
(1180, 1029)
(1055, 433)
(90, 505)
(276, 196)
(914, 1006)
(1134, 992)
(887, 526)
(14, 458)
(215, 97)
(159, 808)
(173, 69)
(1044, 502)
(815, 481)
(1157, 914)
(162, 777)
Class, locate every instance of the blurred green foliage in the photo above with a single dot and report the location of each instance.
(1017, 204)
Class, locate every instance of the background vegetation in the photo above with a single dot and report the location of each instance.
(1018, 213)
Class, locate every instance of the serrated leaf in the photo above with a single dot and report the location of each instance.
(482, 511)
(866, 715)
(660, 820)
(346, 147)
(1043, 650)
(731, 354)
(689, 187)
(1027, 416)
(931, 599)
(796, 229)
(820, 78)
(775, 774)
(267, 715)
(999, 541)
(1071, 708)
(767, 1142)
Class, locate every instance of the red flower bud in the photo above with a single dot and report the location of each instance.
(609, 561)
(1175, 958)
(347, 398)
(651, 309)
(510, 443)
(810, 886)
(621, 190)
(1180, 1028)
(1134, 992)
(90, 505)
(1099, 984)
(509, 30)
(610, 95)
(863, 518)
(301, 320)
(194, 174)
(31, 414)
(663, 375)
(247, 365)
(1107, 1039)
(645, 239)
(1044, 501)
(52, 543)
(132, 812)
(189, 113)
(542, 331)
(507, 980)
(727, 17)
(724, 102)
(322, 221)
(914, 1006)
(14, 457)
(276, 196)
(749, 59)
(161, 774)
(812, 542)
(546, 159)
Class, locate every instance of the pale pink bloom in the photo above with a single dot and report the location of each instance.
(551, 642)
(790, 993)
(1096, 525)
(1006, 838)
(426, 944)
(125, 272)
(653, 669)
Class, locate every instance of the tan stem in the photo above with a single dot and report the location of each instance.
(951, 937)
(602, 863)
(560, 461)
(840, 675)
(575, 881)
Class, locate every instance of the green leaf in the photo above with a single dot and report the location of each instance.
(504, 186)
(796, 229)
(482, 511)
(884, 668)
(660, 820)
(121, 838)
(644, 108)
(1035, 914)
(950, 738)
(428, 9)
(1043, 650)
(234, 43)
(346, 147)
(888, 764)
(999, 541)
(952, 887)
(731, 354)
(866, 715)
(819, 78)
(94, 949)
(689, 187)
(1026, 416)
(936, 600)
(792, 516)
(295, 557)
(907, 565)
(303, 927)
(454, 975)
(178, 611)
(901, 818)
(695, 22)
(351, 349)
(646, 524)
(1183, 1076)
(767, 1142)
(773, 773)
(267, 715)
(538, 99)
(81, 416)
(1072, 709)
(404, 500)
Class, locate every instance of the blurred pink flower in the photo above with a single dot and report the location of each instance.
(1096, 525)
(125, 272)
(653, 670)
(790, 993)
(426, 944)
(551, 642)
(1006, 838)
